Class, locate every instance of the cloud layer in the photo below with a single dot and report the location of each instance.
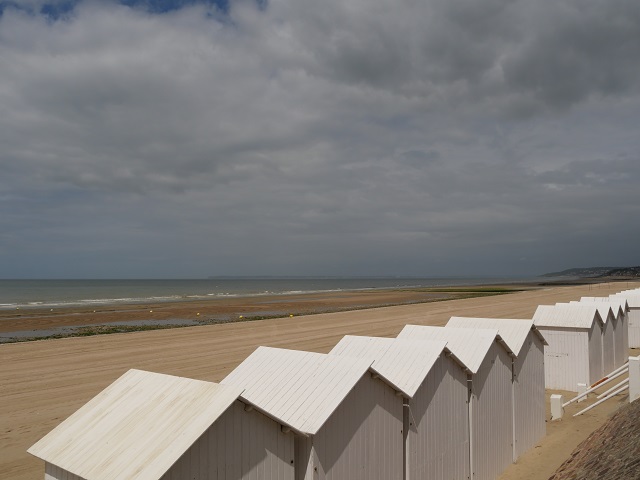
(300, 137)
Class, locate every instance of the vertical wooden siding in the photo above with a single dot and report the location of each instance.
(529, 395)
(566, 358)
(608, 347)
(634, 328)
(53, 472)
(437, 438)
(492, 416)
(618, 341)
(362, 440)
(596, 355)
(239, 445)
(625, 335)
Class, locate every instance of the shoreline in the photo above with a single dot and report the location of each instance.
(32, 323)
(35, 323)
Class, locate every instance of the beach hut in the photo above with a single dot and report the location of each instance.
(150, 426)
(349, 420)
(433, 383)
(619, 322)
(608, 334)
(633, 325)
(574, 351)
(527, 368)
(488, 362)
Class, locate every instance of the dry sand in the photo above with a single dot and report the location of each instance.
(43, 382)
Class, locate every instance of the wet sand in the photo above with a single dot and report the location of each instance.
(43, 382)
(49, 321)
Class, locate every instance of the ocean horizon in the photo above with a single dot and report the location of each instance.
(24, 293)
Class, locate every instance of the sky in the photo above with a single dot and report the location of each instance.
(189, 138)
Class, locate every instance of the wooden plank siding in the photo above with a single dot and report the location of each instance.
(529, 396)
(566, 358)
(437, 425)
(596, 354)
(362, 440)
(53, 472)
(242, 445)
(634, 328)
(491, 414)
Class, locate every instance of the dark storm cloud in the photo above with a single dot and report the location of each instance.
(578, 49)
(357, 137)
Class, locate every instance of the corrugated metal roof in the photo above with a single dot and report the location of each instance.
(569, 316)
(604, 309)
(513, 331)
(618, 306)
(135, 428)
(301, 389)
(633, 299)
(403, 363)
(469, 345)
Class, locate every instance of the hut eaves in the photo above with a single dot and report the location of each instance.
(619, 306)
(566, 316)
(513, 331)
(300, 389)
(467, 344)
(402, 363)
(604, 309)
(138, 427)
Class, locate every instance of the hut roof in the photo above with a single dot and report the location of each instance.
(513, 331)
(301, 389)
(402, 363)
(469, 345)
(632, 298)
(618, 305)
(566, 316)
(604, 309)
(137, 427)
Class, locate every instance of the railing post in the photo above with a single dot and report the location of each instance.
(634, 378)
(582, 387)
(556, 407)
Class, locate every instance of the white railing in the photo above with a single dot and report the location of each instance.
(632, 383)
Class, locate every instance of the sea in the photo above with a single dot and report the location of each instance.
(73, 293)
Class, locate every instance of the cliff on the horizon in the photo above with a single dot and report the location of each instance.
(594, 272)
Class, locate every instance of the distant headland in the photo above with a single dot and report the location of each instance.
(598, 272)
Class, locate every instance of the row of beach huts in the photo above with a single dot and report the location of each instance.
(461, 401)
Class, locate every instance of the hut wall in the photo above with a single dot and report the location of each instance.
(596, 354)
(625, 335)
(608, 346)
(53, 472)
(618, 340)
(242, 445)
(634, 328)
(492, 416)
(437, 425)
(566, 358)
(362, 440)
(529, 396)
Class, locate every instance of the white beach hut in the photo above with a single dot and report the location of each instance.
(150, 426)
(574, 351)
(433, 383)
(527, 344)
(488, 361)
(609, 322)
(620, 333)
(633, 325)
(350, 422)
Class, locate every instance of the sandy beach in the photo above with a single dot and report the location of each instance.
(45, 381)
(221, 310)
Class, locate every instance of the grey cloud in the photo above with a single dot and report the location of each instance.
(578, 49)
(319, 137)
